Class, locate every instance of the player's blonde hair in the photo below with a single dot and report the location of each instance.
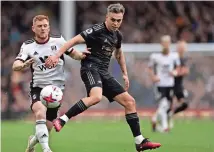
(165, 38)
(116, 8)
(40, 18)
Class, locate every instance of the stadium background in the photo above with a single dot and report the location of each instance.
(144, 23)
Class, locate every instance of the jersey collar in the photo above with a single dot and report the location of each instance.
(42, 42)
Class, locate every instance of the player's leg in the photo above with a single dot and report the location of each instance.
(161, 111)
(115, 92)
(51, 114)
(93, 85)
(156, 116)
(42, 134)
(180, 95)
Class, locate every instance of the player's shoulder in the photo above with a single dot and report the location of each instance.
(29, 41)
(174, 54)
(155, 55)
(56, 36)
(119, 34)
(98, 27)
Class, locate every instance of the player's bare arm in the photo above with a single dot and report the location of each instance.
(184, 71)
(152, 75)
(19, 65)
(119, 55)
(53, 60)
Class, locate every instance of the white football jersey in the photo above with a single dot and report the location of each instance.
(162, 65)
(41, 75)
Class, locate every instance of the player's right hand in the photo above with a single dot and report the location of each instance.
(51, 61)
(155, 79)
(28, 63)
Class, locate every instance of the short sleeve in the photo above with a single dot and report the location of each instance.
(23, 54)
(151, 61)
(88, 34)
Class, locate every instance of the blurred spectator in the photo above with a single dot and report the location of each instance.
(145, 22)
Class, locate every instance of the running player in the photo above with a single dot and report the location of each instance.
(162, 73)
(179, 91)
(104, 39)
(33, 53)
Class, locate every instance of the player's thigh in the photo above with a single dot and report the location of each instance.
(36, 105)
(92, 81)
(112, 88)
(179, 93)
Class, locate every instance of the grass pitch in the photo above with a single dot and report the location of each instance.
(111, 136)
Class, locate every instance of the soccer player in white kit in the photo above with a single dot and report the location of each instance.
(33, 53)
(162, 72)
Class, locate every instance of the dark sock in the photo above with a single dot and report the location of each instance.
(76, 109)
(180, 108)
(133, 121)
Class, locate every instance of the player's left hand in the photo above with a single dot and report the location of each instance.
(51, 61)
(126, 80)
(174, 73)
(85, 53)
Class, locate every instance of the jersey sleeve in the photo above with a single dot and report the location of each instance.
(23, 54)
(89, 34)
(151, 61)
(120, 37)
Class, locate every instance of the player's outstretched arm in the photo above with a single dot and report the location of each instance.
(53, 60)
(72, 42)
(77, 55)
(19, 65)
(119, 55)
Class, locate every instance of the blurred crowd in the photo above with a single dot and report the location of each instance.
(144, 22)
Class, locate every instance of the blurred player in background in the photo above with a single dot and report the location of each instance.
(33, 53)
(104, 39)
(179, 91)
(162, 73)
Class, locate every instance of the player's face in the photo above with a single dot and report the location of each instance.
(41, 29)
(166, 45)
(114, 20)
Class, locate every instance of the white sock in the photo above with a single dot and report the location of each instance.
(139, 139)
(65, 118)
(42, 133)
(154, 117)
(33, 142)
(162, 111)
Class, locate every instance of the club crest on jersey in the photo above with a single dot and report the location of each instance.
(53, 48)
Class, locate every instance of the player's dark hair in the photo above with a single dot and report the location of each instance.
(116, 8)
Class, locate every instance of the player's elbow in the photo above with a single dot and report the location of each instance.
(15, 67)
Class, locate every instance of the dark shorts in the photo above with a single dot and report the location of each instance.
(161, 92)
(179, 92)
(51, 113)
(92, 78)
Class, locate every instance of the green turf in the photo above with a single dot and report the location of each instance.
(112, 136)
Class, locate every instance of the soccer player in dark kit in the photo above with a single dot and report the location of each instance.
(103, 40)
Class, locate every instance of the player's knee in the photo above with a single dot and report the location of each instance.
(96, 99)
(130, 103)
(40, 114)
